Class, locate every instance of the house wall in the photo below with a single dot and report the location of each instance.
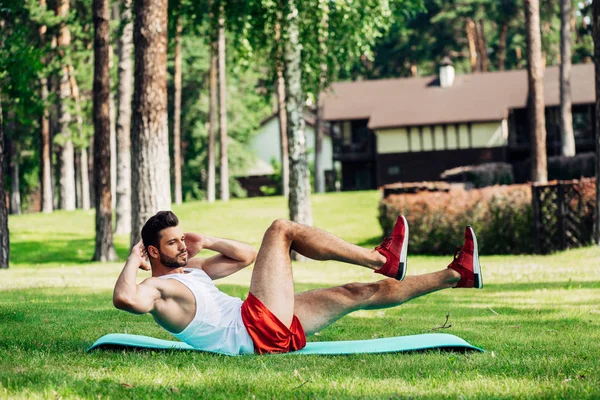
(266, 147)
(442, 137)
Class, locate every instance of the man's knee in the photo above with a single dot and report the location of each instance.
(281, 227)
(359, 292)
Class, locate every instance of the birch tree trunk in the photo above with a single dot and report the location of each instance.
(66, 152)
(281, 111)
(224, 161)
(45, 159)
(4, 239)
(102, 150)
(177, 111)
(566, 117)
(596, 34)
(299, 199)
(124, 93)
(149, 138)
(535, 74)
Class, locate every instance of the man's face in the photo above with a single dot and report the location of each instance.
(172, 250)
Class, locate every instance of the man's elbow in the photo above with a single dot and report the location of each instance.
(122, 302)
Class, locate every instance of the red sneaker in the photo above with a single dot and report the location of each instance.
(394, 249)
(466, 262)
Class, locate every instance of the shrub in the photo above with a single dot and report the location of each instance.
(565, 168)
(480, 176)
(500, 215)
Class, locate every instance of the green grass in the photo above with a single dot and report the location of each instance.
(538, 317)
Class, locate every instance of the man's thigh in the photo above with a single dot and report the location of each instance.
(272, 280)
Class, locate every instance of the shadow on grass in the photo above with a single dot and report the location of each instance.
(58, 250)
(371, 242)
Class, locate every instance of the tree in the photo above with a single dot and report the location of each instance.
(535, 75)
(102, 151)
(177, 112)
(281, 111)
(224, 160)
(596, 33)
(212, 122)
(66, 152)
(149, 138)
(124, 89)
(299, 198)
(319, 178)
(566, 117)
(4, 240)
(45, 159)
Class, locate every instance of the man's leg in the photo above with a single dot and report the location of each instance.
(316, 309)
(272, 280)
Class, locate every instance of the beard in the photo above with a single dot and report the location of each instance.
(173, 262)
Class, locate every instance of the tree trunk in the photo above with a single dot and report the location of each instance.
(149, 138)
(482, 46)
(124, 89)
(566, 118)
(45, 159)
(281, 111)
(66, 152)
(596, 34)
(4, 239)
(471, 30)
(85, 180)
(113, 147)
(13, 170)
(212, 123)
(83, 184)
(502, 46)
(224, 162)
(299, 199)
(323, 32)
(102, 151)
(535, 74)
(177, 111)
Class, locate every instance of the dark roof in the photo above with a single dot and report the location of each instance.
(472, 98)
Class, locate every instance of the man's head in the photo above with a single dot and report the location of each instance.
(164, 240)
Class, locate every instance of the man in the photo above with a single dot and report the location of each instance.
(273, 319)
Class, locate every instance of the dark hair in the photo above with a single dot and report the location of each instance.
(151, 230)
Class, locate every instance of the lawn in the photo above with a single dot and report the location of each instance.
(538, 317)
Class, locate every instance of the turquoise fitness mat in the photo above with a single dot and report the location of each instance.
(396, 344)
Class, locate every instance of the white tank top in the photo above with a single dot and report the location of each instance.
(217, 325)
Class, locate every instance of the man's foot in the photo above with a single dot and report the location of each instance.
(466, 262)
(394, 249)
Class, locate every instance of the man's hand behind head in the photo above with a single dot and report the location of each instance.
(141, 255)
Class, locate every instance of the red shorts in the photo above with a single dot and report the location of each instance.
(268, 333)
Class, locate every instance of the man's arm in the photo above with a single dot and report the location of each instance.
(129, 296)
(233, 255)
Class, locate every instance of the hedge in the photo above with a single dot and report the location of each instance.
(500, 215)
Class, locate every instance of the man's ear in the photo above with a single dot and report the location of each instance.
(153, 251)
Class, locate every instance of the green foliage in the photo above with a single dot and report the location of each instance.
(247, 105)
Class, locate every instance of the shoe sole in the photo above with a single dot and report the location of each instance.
(478, 284)
(402, 265)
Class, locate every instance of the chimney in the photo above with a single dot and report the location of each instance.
(446, 72)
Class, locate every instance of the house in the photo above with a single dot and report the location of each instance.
(412, 129)
(266, 146)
